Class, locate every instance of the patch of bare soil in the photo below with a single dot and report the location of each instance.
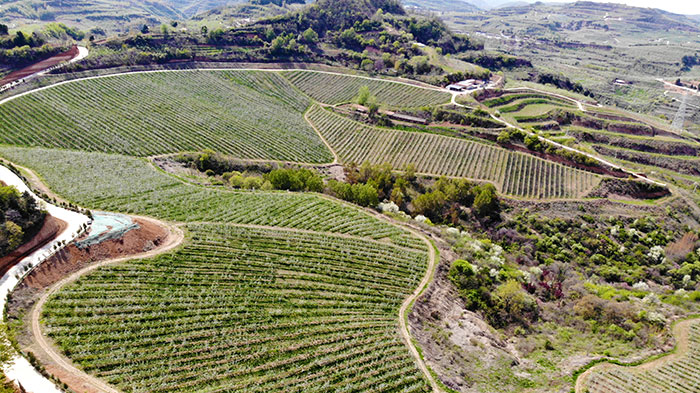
(452, 338)
(51, 227)
(71, 259)
(41, 65)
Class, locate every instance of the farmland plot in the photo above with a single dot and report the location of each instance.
(247, 114)
(106, 182)
(515, 174)
(677, 375)
(246, 309)
(335, 89)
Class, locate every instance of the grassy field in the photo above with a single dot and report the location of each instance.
(246, 309)
(335, 89)
(515, 174)
(242, 113)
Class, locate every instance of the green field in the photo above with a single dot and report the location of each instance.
(513, 173)
(105, 181)
(247, 114)
(271, 291)
(246, 309)
(335, 89)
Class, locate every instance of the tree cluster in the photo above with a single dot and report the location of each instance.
(563, 82)
(20, 218)
(496, 62)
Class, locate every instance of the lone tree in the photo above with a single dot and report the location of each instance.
(363, 95)
(4, 30)
(145, 29)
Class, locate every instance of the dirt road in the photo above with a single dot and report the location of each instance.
(406, 306)
(681, 331)
(86, 383)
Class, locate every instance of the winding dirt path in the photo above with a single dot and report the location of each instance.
(406, 307)
(325, 142)
(86, 382)
(571, 149)
(681, 330)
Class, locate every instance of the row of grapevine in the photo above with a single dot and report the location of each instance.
(514, 173)
(530, 177)
(246, 310)
(336, 88)
(509, 98)
(248, 114)
(127, 184)
(519, 105)
(679, 375)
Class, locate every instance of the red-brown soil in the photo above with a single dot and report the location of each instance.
(148, 238)
(71, 258)
(40, 66)
(51, 228)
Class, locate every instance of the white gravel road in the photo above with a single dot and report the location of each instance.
(20, 370)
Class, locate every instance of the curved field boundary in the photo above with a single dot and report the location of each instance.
(675, 372)
(353, 306)
(334, 89)
(88, 382)
(247, 114)
(275, 70)
(19, 368)
(328, 145)
(405, 305)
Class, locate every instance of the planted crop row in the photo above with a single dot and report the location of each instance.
(248, 114)
(515, 174)
(679, 375)
(130, 185)
(335, 88)
(247, 310)
(508, 98)
(534, 178)
(520, 104)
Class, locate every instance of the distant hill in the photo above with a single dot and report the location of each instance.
(442, 5)
(108, 15)
(567, 20)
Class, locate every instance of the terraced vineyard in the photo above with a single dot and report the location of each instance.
(247, 114)
(105, 182)
(531, 177)
(677, 375)
(246, 309)
(515, 174)
(527, 98)
(335, 89)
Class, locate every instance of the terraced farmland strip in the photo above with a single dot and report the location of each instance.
(509, 98)
(245, 309)
(513, 173)
(335, 89)
(127, 184)
(247, 114)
